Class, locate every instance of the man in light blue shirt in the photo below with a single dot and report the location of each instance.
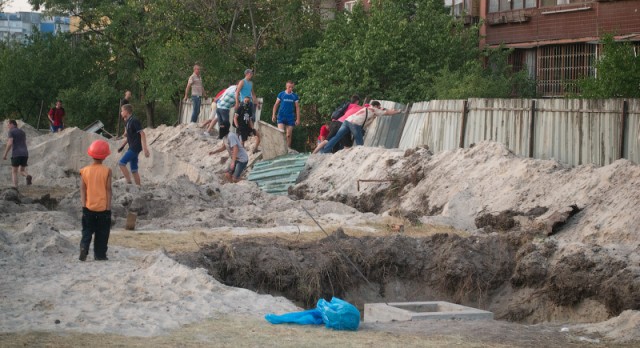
(245, 89)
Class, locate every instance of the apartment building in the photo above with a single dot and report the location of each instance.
(557, 41)
(18, 26)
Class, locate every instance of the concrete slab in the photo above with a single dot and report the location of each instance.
(431, 310)
(273, 141)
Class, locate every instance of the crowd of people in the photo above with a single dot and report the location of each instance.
(348, 124)
(241, 97)
(345, 129)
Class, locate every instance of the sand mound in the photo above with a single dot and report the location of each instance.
(456, 187)
(28, 130)
(36, 240)
(58, 156)
(503, 201)
(623, 328)
(581, 267)
(168, 198)
(135, 293)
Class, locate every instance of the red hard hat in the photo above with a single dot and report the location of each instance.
(99, 149)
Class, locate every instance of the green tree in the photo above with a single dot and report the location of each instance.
(617, 72)
(154, 44)
(394, 51)
(495, 79)
(131, 31)
(38, 71)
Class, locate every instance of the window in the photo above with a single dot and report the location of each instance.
(545, 3)
(349, 5)
(508, 5)
(461, 7)
(560, 66)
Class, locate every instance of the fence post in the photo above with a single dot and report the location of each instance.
(532, 127)
(463, 126)
(623, 126)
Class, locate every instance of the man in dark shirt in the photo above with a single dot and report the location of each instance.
(243, 121)
(135, 137)
(17, 142)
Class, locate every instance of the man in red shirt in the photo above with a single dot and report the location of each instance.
(56, 117)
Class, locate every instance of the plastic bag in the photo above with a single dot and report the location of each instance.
(339, 314)
(308, 317)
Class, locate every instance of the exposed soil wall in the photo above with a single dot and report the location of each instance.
(471, 270)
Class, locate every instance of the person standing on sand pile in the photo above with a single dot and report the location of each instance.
(137, 140)
(17, 143)
(288, 112)
(56, 117)
(197, 92)
(245, 89)
(95, 196)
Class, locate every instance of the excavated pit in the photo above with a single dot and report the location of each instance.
(472, 271)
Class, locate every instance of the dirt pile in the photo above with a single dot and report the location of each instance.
(456, 187)
(182, 187)
(573, 230)
(135, 293)
(498, 253)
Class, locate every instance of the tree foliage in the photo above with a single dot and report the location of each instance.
(402, 50)
(617, 72)
(495, 79)
(393, 52)
(48, 67)
(154, 44)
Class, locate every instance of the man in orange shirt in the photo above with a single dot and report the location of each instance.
(95, 195)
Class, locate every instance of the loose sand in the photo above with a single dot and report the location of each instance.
(48, 297)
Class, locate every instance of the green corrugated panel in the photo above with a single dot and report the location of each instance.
(277, 175)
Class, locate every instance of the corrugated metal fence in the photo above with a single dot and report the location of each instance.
(207, 110)
(386, 131)
(573, 131)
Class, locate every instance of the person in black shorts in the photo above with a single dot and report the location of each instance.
(17, 143)
(243, 121)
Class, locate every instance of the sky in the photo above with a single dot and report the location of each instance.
(17, 6)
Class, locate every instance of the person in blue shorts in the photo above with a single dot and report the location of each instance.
(287, 109)
(135, 137)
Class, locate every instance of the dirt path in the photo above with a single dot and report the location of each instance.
(239, 331)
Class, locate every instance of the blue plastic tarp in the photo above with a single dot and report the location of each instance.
(336, 314)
